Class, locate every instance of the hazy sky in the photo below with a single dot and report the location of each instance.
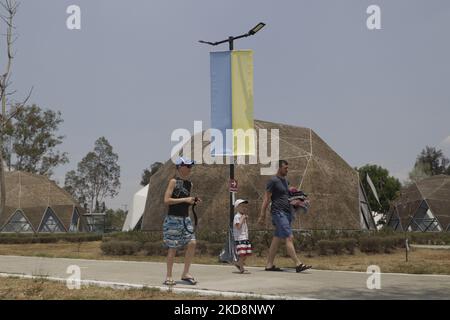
(135, 72)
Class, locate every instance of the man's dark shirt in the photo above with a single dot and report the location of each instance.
(280, 194)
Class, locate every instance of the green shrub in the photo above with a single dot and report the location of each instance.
(214, 249)
(350, 245)
(84, 237)
(267, 237)
(303, 242)
(137, 236)
(201, 247)
(370, 245)
(117, 248)
(154, 248)
(337, 246)
(431, 238)
(323, 246)
(211, 236)
(16, 240)
(11, 238)
(387, 244)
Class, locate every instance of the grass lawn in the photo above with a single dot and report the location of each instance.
(12, 288)
(421, 261)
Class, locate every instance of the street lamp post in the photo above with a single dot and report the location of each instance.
(230, 41)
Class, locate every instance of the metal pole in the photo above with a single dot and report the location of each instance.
(407, 248)
(230, 42)
(231, 193)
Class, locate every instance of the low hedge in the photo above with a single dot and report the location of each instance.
(7, 238)
(155, 248)
(153, 236)
(381, 244)
(137, 236)
(306, 242)
(370, 245)
(350, 245)
(430, 238)
(119, 248)
(337, 246)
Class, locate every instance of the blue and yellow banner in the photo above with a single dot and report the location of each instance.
(232, 101)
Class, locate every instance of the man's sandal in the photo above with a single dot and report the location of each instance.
(273, 268)
(302, 267)
(191, 281)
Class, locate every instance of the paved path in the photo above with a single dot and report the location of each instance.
(426, 246)
(313, 284)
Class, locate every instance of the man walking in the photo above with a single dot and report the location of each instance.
(277, 191)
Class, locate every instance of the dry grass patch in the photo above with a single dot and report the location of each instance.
(41, 289)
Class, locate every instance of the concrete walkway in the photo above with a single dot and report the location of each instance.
(427, 246)
(313, 284)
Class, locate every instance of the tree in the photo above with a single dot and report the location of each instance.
(8, 109)
(114, 219)
(30, 141)
(419, 172)
(429, 162)
(147, 174)
(433, 161)
(387, 187)
(97, 175)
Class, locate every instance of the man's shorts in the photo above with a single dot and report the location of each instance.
(282, 222)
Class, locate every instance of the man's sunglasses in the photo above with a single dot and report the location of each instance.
(189, 166)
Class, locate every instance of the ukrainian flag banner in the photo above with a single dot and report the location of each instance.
(232, 102)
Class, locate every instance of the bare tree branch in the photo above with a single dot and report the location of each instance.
(18, 107)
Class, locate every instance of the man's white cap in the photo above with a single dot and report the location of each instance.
(239, 201)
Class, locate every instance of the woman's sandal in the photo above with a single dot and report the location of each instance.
(191, 281)
(170, 282)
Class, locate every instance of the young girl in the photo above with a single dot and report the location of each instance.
(240, 232)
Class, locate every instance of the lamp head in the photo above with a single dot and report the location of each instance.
(256, 28)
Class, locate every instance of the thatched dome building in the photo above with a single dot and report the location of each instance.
(333, 186)
(36, 204)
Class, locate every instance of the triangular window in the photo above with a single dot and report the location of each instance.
(51, 223)
(394, 221)
(75, 220)
(424, 220)
(18, 223)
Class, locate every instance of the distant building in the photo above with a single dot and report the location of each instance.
(423, 206)
(134, 216)
(35, 204)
